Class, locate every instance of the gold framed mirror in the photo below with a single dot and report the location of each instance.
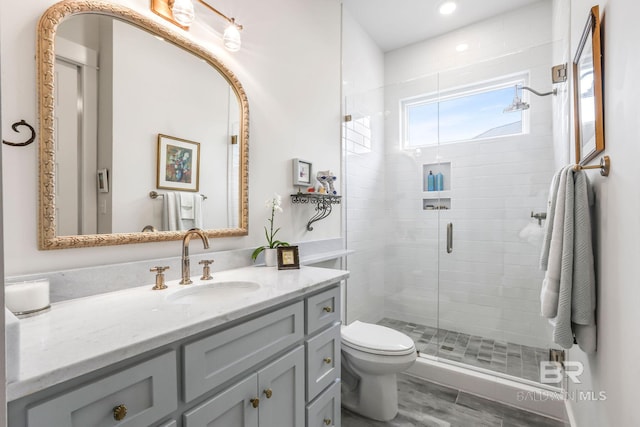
(151, 91)
(587, 92)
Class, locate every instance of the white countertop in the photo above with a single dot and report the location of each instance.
(79, 336)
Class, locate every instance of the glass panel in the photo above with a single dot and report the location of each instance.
(489, 285)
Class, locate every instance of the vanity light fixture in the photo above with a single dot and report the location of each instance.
(182, 14)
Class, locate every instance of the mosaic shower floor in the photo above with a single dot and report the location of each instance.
(500, 356)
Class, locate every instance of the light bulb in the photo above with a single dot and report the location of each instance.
(231, 38)
(183, 12)
(448, 7)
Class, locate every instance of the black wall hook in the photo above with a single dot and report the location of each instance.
(15, 129)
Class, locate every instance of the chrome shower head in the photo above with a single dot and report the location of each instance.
(518, 104)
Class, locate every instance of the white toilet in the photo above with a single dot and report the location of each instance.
(372, 355)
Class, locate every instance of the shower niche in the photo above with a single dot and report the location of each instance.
(436, 186)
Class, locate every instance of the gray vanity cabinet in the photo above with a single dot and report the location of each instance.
(273, 396)
(279, 368)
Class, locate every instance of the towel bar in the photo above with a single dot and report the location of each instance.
(154, 195)
(604, 166)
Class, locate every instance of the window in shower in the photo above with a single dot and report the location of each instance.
(463, 114)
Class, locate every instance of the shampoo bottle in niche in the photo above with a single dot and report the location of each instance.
(431, 186)
(439, 181)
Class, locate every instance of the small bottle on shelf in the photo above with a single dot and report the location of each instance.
(439, 181)
(431, 182)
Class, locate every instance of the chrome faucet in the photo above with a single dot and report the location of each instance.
(186, 265)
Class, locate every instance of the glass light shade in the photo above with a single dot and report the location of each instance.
(183, 12)
(231, 38)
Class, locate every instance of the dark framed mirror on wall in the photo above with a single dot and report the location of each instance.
(587, 92)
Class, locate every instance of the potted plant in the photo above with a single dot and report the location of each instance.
(270, 252)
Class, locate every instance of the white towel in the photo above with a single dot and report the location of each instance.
(548, 225)
(193, 216)
(568, 291)
(551, 282)
(175, 217)
(169, 218)
(186, 206)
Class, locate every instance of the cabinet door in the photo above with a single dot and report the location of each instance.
(323, 309)
(233, 407)
(281, 390)
(323, 360)
(218, 358)
(145, 392)
(325, 410)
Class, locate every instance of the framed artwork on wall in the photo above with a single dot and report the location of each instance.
(587, 92)
(301, 172)
(178, 164)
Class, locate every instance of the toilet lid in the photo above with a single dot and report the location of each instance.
(376, 339)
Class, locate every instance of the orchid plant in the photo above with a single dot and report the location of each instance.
(275, 205)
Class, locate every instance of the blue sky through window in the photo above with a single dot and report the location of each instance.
(462, 118)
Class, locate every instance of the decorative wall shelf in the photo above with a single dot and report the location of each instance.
(322, 202)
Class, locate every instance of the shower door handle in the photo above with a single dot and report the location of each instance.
(449, 237)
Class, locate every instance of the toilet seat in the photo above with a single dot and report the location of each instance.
(376, 339)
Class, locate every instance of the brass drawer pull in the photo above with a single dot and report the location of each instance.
(119, 412)
(327, 421)
(268, 392)
(255, 402)
(328, 309)
(327, 360)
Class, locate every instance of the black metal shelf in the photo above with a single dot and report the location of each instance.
(323, 203)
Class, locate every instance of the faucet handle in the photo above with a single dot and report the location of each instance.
(206, 270)
(159, 277)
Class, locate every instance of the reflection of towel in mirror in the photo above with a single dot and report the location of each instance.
(182, 211)
(186, 206)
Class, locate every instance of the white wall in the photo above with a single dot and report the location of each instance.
(614, 368)
(489, 285)
(290, 68)
(362, 78)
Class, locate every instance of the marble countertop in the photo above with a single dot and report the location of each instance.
(79, 336)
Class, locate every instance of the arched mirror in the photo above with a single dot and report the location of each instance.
(143, 133)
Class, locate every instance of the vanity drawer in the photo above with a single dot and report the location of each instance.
(325, 410)
(215, 359)
(323, 360)
(148, 390)
(322, 310)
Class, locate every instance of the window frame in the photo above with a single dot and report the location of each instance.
(520, 79)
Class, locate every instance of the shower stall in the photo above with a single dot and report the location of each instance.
(446, 184)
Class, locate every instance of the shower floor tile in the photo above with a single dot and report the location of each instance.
(425, 404)
(508, 358)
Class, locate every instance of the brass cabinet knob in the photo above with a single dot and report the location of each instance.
(327, 309)
(119, 412)
(268, 392)
(327, 360)
(255, 402)
(327, 421)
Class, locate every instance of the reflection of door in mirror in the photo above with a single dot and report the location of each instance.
(76, 136)
(146, 86)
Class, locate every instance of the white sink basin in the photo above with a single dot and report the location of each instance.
(212, 292)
